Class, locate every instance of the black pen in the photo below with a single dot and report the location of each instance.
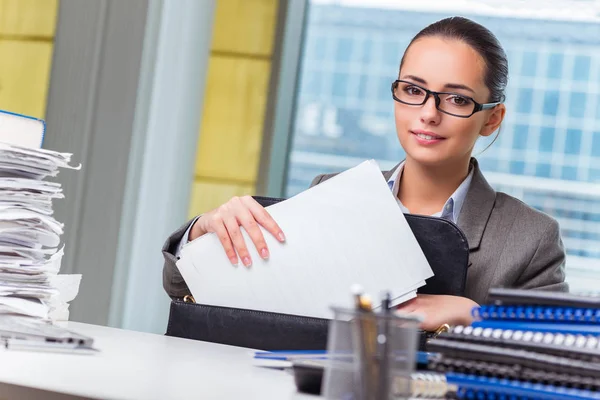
(384, 368)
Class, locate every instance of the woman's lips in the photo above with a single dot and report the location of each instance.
(427, 138)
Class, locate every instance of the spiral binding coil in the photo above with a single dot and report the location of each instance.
(484, 388)
(516, 363)
(537, 313)
(515, 372)
(570, 342)
(429, 385)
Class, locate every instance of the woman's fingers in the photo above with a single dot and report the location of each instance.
(244, 212)
(262, 216)
(221, 231)
(233, 228)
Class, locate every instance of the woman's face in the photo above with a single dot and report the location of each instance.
(427, 135)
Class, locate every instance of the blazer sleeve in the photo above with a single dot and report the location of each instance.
(546, 270)
(173, 282)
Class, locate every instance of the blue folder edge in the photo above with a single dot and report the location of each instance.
(29, 117)
(574, 329)
(286, 355)
(537, 313)
(470, 385)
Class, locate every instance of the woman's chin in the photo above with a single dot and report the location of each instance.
(427, 157)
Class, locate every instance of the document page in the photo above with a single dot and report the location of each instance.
(347, 230)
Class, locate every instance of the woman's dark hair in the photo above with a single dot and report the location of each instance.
(482, 41)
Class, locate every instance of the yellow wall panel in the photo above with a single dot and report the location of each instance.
(209, 195)
(245, 26)
(28, 17)
(232, 122)
(24, 76)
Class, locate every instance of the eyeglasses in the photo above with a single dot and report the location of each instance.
(454, 104)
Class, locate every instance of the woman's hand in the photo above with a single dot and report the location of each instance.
(225, 221)
(440, 309)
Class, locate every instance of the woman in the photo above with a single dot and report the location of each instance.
(450, 90)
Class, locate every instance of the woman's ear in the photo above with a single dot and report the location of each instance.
(494, 119)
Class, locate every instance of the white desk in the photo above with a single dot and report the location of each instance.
(134, 365)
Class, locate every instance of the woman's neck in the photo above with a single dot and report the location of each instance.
(424, 190)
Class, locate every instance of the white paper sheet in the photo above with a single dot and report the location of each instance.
(344, 231)
(29, 235)
(29, 307)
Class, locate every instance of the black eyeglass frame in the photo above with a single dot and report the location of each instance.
(436, 95)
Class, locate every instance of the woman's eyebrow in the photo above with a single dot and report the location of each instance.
(458, 86)
(447, 85)
(415, 78)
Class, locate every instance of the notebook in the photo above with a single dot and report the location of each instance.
(539, 306)
(21, 130)
(583, 347)
(526, 344)
(502, 363)
(486, 388)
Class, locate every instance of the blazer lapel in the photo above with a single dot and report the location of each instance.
(388, 174)
(477, 208)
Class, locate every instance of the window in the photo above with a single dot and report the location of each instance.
(517, 167)
(340, 84)
(596, 144)
(316, 47)
(573, 141)
(525, 100)
(543, 170)
(392, 53)
(551, 102)
(577, 105)
(344, 50)
(547, 139)
(555, 62)
(569, 173)
(529, 66)
(581, 69)
(354, 52)
(310, 84)
(367, 51)
(520, 137)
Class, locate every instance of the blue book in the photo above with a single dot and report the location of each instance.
(484, 388)
(564, 328)
(537, 313)
(21, 130)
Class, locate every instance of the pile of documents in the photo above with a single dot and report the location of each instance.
(347, 230)
(30, 255)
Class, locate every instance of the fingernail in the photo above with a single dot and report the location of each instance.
(247, 262)
(234, 261)
(281, 236)
(264, 253)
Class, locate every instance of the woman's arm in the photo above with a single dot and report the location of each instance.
(546, 269)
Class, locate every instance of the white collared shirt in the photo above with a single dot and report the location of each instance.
(453, 205)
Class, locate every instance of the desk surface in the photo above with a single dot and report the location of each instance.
(135, 365)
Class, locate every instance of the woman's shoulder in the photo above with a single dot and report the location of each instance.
(524, 214)
(322, 178)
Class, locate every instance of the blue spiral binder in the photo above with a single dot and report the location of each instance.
(473, 387)
(537, 313)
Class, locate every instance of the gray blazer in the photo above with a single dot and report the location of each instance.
(510, 244)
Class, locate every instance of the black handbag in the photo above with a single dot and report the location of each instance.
(443, 243)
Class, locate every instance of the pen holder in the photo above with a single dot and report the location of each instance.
(370, 355)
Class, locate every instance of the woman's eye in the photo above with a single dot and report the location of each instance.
(459, 101)
(413, 90)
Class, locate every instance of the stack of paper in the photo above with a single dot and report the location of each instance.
(30, 256)
(347, 230)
